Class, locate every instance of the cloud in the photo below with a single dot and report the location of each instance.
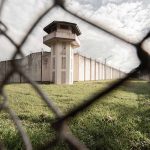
(130, 20)
(19, 15)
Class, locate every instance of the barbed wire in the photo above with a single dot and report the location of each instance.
(60, 124)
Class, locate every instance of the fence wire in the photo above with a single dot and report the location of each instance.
(60, 124)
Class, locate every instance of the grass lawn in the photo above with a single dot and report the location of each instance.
(121, 121)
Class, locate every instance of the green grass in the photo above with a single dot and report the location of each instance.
(120, 121)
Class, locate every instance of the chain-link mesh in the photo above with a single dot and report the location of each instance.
(60, 125)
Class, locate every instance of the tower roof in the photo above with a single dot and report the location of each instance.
(47, 29)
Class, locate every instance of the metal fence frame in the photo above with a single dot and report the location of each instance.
(60, 125)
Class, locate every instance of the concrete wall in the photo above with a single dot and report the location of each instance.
(46, 69)
(108, 73)
(101, 72)
(2, 70)
(38, 67)
(92, 69)
(96, 70)
(15, 78)
(76, 67)
(81, 68)
(25, 67)
(34, 66)
(115, 74)
(87, 68)
(144, 76)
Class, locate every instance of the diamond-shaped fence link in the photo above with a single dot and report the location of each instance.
(60, 124)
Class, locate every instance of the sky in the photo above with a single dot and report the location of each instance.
(129, 19)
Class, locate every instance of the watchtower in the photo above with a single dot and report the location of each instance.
(62, 38)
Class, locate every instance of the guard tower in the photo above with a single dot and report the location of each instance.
(62, 38)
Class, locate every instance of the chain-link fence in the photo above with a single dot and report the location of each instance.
(60, 124)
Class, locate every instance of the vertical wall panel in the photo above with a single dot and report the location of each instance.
(108, 73)
(25, 66)
(15, 78)
(96, 70)
(76, 67)
(2, 70)
(92, 69)
(100, 71)
(81, 68)
(46, 70)
(114, 74)
(87, 69)
(34, 63)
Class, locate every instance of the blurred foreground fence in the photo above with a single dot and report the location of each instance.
(60, 124)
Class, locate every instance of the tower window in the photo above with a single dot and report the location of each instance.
(53, 28)
(73, 31)
(64, 27)
(63, 48)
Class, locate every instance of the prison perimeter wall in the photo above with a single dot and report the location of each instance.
(38, 67)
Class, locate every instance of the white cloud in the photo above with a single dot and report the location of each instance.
(19, 15)
(129, 19)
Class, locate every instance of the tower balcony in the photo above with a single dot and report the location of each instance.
(61, 35)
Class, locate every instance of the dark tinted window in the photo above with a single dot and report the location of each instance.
(64, 27)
